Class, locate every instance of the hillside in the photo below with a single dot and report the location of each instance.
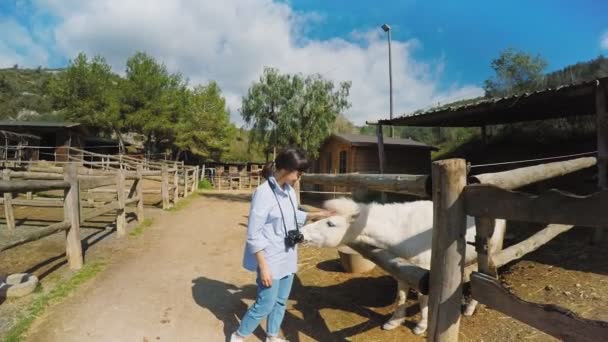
(22, 93)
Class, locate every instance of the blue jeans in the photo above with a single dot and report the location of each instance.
(270, 302)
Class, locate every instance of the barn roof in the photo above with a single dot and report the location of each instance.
(364, 140)
(563, 101)
(48, 124)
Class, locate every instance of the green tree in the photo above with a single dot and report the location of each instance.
(343, 125)
(87, 92)
(204, 128)
(293, 110)
(515, 72)
(152, 101)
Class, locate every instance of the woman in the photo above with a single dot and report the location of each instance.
(272, 235)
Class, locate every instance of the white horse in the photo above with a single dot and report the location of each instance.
(404, 229)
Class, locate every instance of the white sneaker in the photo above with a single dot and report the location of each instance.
(275, 339)
(236, 338)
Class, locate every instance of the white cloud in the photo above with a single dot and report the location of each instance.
(604, 41)
(18, 47)
(232, 40)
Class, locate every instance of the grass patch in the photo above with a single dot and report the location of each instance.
(184, 202)
(137, 231)
(61, 290)
(205, 184)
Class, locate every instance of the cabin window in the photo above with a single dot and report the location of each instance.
(342, 162)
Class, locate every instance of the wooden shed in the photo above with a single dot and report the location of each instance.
(55, 137)
(348, 153)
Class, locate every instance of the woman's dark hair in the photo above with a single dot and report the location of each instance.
(290, 159)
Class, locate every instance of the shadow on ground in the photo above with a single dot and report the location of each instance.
(227, 303)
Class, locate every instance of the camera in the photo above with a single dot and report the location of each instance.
(293, 237)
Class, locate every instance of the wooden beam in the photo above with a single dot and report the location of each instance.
(601, 112)
(550, 207)
(29, 235)
(418, 185)
(91, 182)
(529, 245)
(520, 177)
(72, 215)
(556, 321)
(37, 203)
(140, 194)
(121, 214)
(448, 250)
(32, 185)
(164, 187)
(484, 230)
(99, 211)
(415, 276)
(9, 216)
(36, 175)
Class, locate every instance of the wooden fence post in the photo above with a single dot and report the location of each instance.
(164, 187)
(121, 214)
(176, 185)
(194, 183)
(9, 216)
(448, 250)
(140, 193)
(297, 187)
(381, 157)
(186, 190)
(71, 211)
(601, 112)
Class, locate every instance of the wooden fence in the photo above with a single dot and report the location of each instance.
(487, 197)
(91, 189)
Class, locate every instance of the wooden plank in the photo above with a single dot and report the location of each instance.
(9, 216)
(448, 250)
(24, 236)
(551, 319)
(72, 215)
(99, 211)
(32, 185)
(140, 194)
(164, 188)
(528, 245)
(418, 185)
(601, 112)
(415, 276)
(131, 201)
(121, 214)
(550, 207)
(520, 177)
(37, 203)
(36, 175)
(91, 182)
(176, 186)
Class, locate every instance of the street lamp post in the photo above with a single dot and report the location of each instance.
(387, 29)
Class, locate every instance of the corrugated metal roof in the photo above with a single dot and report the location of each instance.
(358, 139)
(563, 101)
(9, 123)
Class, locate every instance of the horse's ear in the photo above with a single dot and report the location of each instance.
(343, 207)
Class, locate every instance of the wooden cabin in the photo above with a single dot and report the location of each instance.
(349, 153)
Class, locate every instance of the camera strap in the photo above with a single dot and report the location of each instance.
(295, 218)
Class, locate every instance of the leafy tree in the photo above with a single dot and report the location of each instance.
(515, 72)
(242, 150)
(343, 125)
(87, 92)
(152, 101)
(293, 110)
(204, 128)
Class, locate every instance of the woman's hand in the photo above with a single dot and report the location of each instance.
(319, 215)
(265, 277)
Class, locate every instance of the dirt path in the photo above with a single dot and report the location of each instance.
(168, 289)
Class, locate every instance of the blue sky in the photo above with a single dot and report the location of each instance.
(470, 33)
(441, 52)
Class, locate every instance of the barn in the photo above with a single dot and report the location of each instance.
(350, 153)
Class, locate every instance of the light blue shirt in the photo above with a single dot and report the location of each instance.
(265, 231)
